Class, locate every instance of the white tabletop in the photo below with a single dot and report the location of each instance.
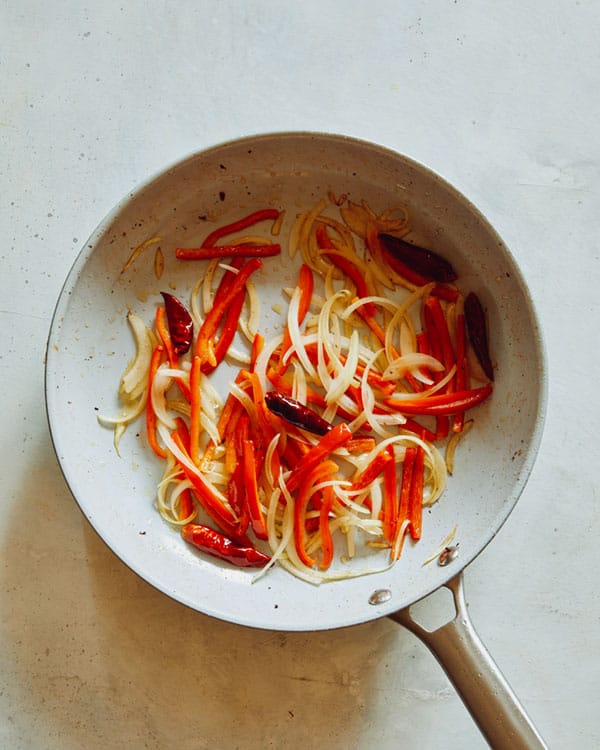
(499, 98)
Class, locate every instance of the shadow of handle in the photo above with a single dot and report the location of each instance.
(476, 677)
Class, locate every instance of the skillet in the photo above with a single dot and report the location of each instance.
(89, 345)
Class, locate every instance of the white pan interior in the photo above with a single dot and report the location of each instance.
(90, 344)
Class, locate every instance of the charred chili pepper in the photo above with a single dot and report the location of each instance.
(477, 330)
(216, 544)
(424, 262)
(181, 326)
(296, 413)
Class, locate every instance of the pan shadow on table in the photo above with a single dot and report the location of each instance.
(96, 657)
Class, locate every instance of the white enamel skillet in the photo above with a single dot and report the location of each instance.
(90, 344)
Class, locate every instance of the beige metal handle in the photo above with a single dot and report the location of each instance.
(476, 677)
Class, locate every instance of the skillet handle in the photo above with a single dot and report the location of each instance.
(476, 677)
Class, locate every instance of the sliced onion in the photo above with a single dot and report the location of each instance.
(408, 362)
(135, 377)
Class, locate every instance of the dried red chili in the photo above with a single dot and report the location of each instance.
(181, 326)
(296, 413)
(213, 543)
(477, 330)
(419, 259)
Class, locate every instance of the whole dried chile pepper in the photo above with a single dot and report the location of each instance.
(296, 413)
(424, 262)
(477, 330)
(181, 326)
(213, 543)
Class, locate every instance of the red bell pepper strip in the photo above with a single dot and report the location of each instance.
(306, 285)
(324, 530)
(418, 429)
(317, 474)
(262, 427)
(390, 497)
(346, 266)
(415, 506)
(164, 335)
(221, 347)
(461, 379)
(360, 445)
(210, 501)
(186, 505)
(447, 354)
(372, 471)
(227, 251)
(258, 343)
(257, 521)
(334, 439)
(236, 497)
(447, 293)
(432, 338)
(183, 431)
(407, 474)
(293, 453)
(195, 409)
(216, 544)
(442, 334)
(404, 503)
(234, 462)
(443, 404)
(222, 302)
(356, 277)
(150, 413)
(264, 214)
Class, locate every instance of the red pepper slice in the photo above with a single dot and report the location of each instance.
(221, 347)
(346, 266)
(372, 471)
(211, 503)
(415, 505)
(150, 413)
(334, 439)
(257, 520)
(443, 404)
(227, 251)
(458, 419)
(326, 538)
(306, 285)
(216, 544)
(390, 497)
(404, 502)
(296, 413)
(316, 475)
(264, 214)
(205, 341)
(442, 333)
(181, 326)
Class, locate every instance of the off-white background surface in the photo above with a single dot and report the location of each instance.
(502, 100)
